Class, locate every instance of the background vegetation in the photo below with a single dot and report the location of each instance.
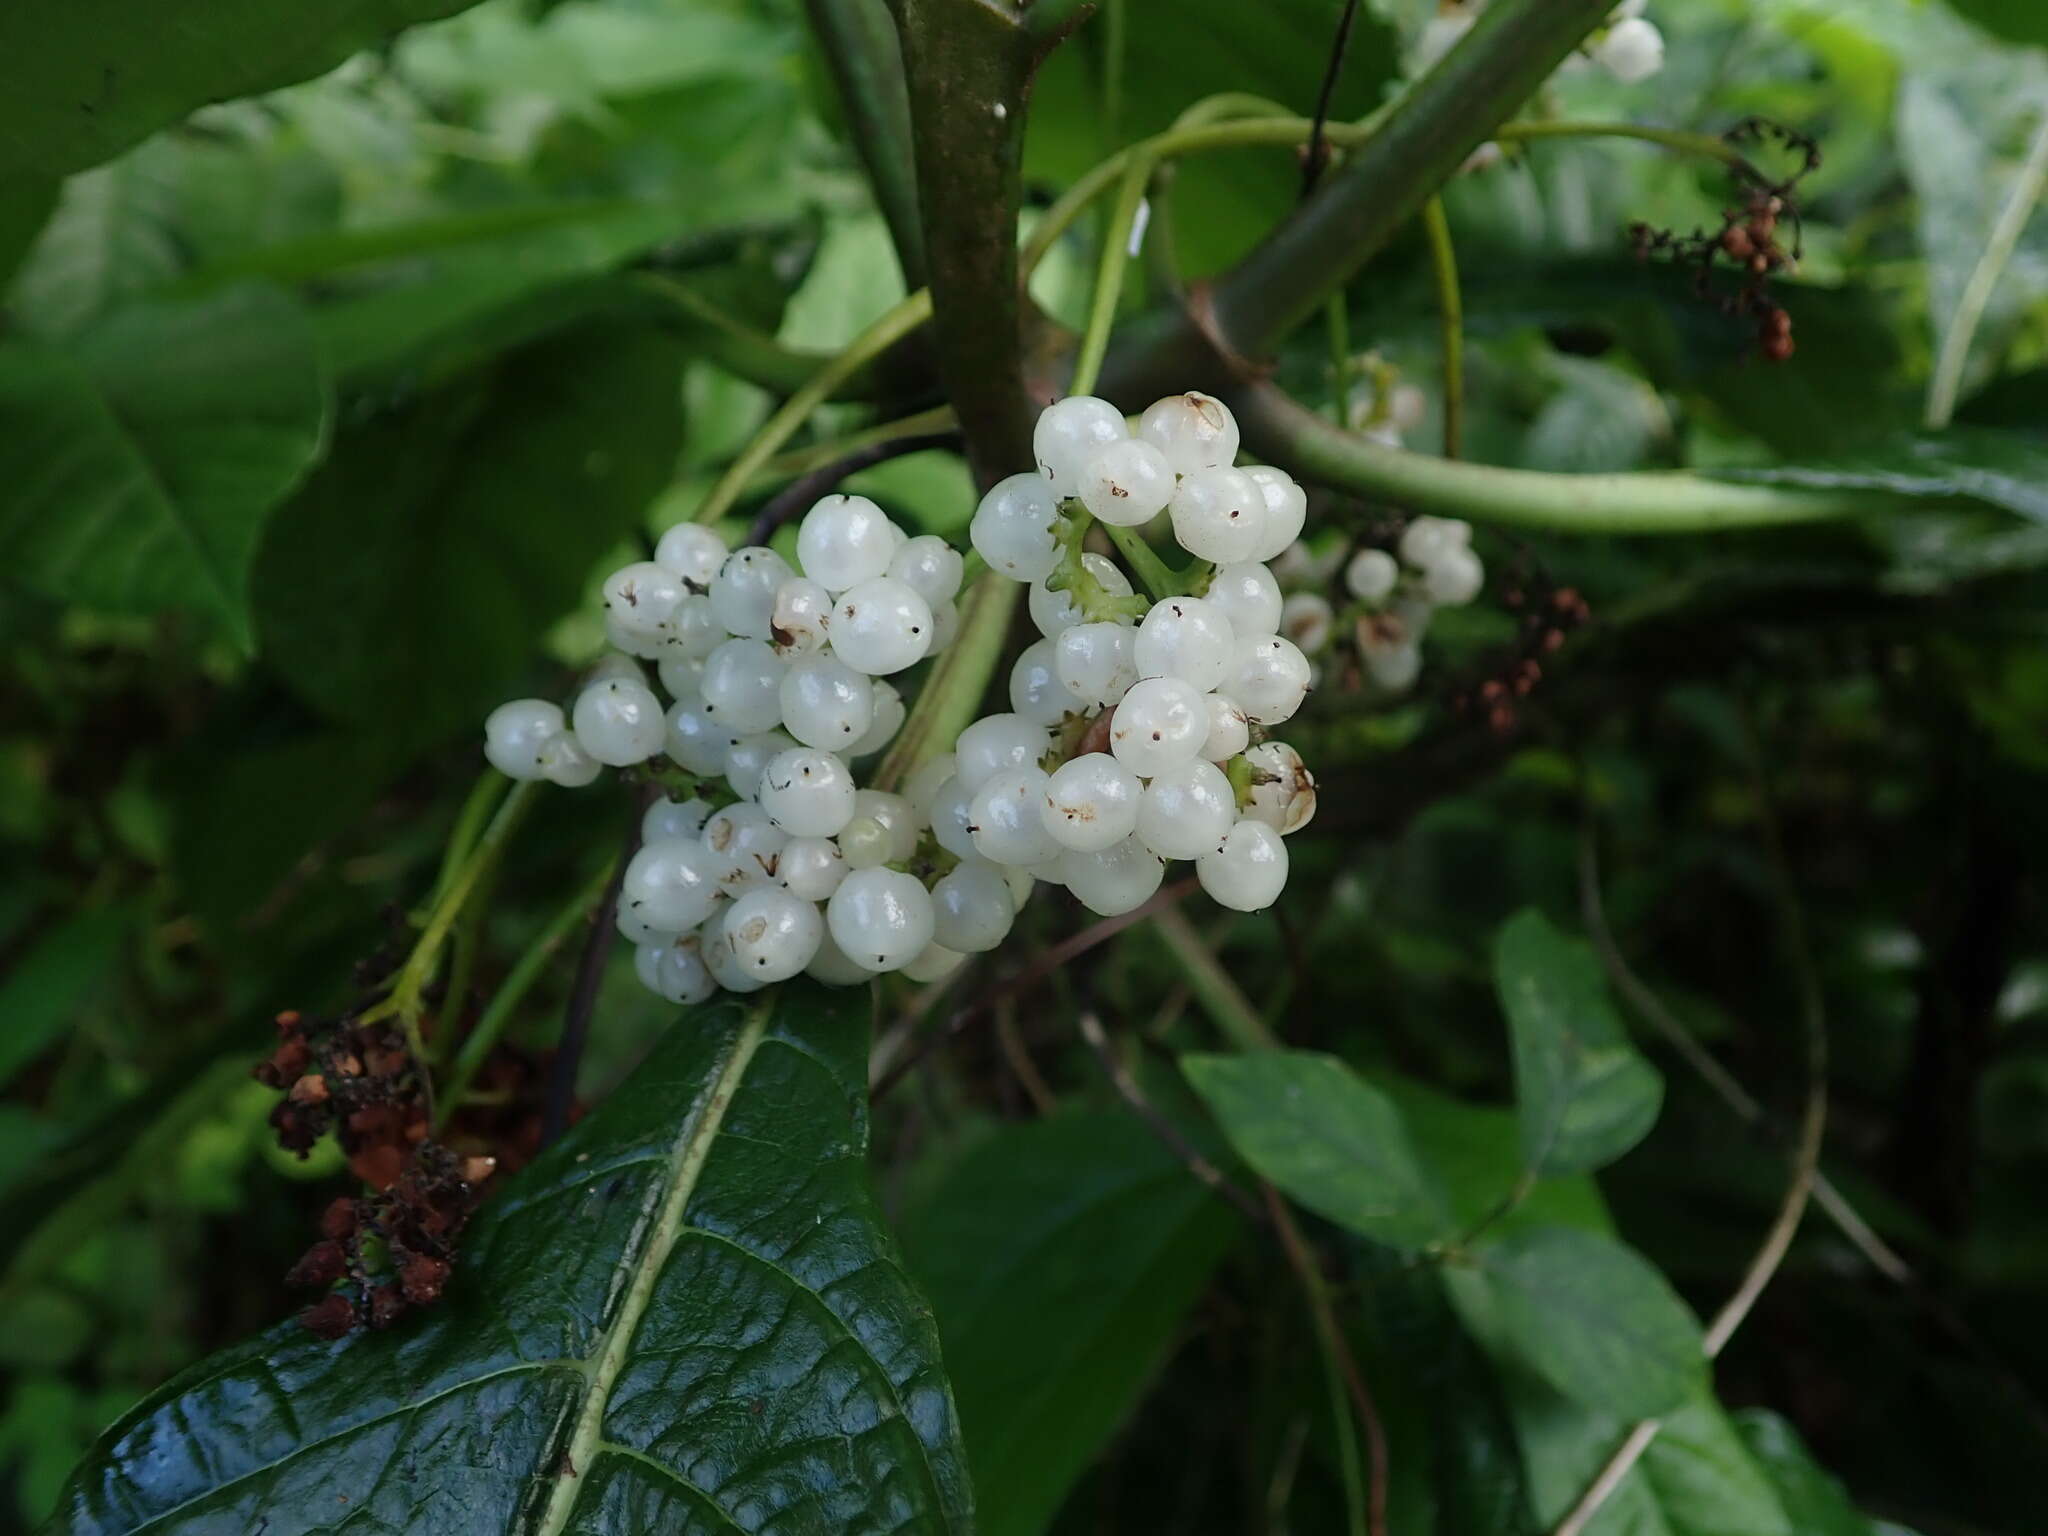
(338, 361)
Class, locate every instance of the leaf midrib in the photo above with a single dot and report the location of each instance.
(685, 1167)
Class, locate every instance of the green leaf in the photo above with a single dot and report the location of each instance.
(142, 463)
(1584, 1094)
(1981, 464)
(686, 1316)
(2018, 21)
(89, 78)
(44, 988)
(1594, 1319)
(1327, 1138)
(1061, 1257)
(408, 584)
(1814, 1500)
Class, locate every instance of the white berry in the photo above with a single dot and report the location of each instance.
(1632, 50)
(995, 743)
(929, 566)
(881, 918)
(741, 685)
(1091, 802)
(1194, 431)
(1455, 578)
(952, 814)
(1229, 730)
(1006, 818)
(1268, 679)
(773, 934)
(1286, 509)
(676, 971)
(564, 762)
(807, 793)
(1220, 515)
(1308, 620)
(1283, 791)
(619, 722)
(803, 611)
(1093, 662)
(844, 541)
(743, 592)
(1191, 638)
(746, 845)
(1013, 528)
(1069, 433)
(972, 908)
(1370, 576)
(881, 626)
(810, 867)
(1426, 538)
(1161, 722)
(1248, 870)
(673, 818)
(889, 717)
(514, 734)
(747, 758)
(1126, 483)
(672, 884)
(1036, 692)
(825, 703)
(640, 598)
(695, 740)
(1112, 880)
(1186, 811)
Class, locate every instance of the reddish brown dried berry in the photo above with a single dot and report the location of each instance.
(421, 1279)
(310, 1089)
(330, 1317)
(378, 1167)
(320, 1265)
(387, 1305)
(339, 1219)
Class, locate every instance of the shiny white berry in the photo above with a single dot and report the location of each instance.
(1248, 870)
(1194, 431)
(1268, 678)
(672, 885)
(675, 971)
(1370, 576)
(1091, 801)
(881, 626)
(1283, 791)
(695, 740)
(1036, 692)
(930, 567)
(773, 933)
(1112, 880)
(1286, 509)
(1126, 483)
(923, 785)
(667, 819)
(825, 703)
(682, 677)
(692, 631)
(747, 759)
(1394, 663)
(994, 743)
(810, 867)
(881, 918)
(1425, 539)
(1186, 810)
(945, 627)
(619, 722)
(745, 844)
(640, 598)
(721, 960)
(1161, 722)
(743, 592)
(635, 929)
(952, 814)
(693, 552)
(1246, 594)
(1455, 578)
(1220, 515)
(972, 908)
(932, 963)
(1006, 819)
(1229, 731)
(741, 686)
(807, 793)
(889, 717)
(1191, 638)
(1632, 50)
(834, 967)
(563, 762)
(844, 541)
(1308, 620)
(1013, 528)
(803, 611)
(883, 830)
(1069, 433)
(1054, 611)
(514, 733)
(1094, 664)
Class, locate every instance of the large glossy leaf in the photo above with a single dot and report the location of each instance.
(88, 78)
(1325, 1137)
(1980, 464)
(142, 463)
(685, 1317)
(1061, 1257)
(406, 586)
(1593, 1318)
(1584, 1094)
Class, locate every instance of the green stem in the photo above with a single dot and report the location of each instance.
(898, 322)
(1339, 324)
(953, 689)
(1450, 306)
(1157, 577)
(798, 462)
(470, 821)
(1109, 276)
(1284, 433)
(1947, 382)
(743, 351)
(858, 39)
(512, 991)
(1705, 145)
(1228, 1008)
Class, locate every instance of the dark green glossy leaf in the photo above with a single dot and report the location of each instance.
(1584, 1094)
(1327, 1138)
(1594, 1319)
(142, 463)
(1061, 1257)
(407, 584)
(1981, 464)
(89, 78)
(685, 1317)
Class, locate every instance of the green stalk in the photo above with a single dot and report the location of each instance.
(1109, 276)
(1228, 1008)
(512, 991)
(1339, 326)
(1284, 433)
(741, 350)
(898, 322)
(798, 462)
(1157, 577)
(1450, 307)
(470, 821)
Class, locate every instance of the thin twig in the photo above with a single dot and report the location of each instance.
(1337, 1352)
(794, 499)
(1128, 1090)
(597, 944)
(1220, 996)
(1784, 1227)
(1041, 966)
(1450, 305)
(1318, 152)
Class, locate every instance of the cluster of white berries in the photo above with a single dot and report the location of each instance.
(1157, 706)
(1388, 598)
(778, 684)
(1135, 734)
(1630, 47)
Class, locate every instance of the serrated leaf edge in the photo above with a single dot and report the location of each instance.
(685, 1167)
